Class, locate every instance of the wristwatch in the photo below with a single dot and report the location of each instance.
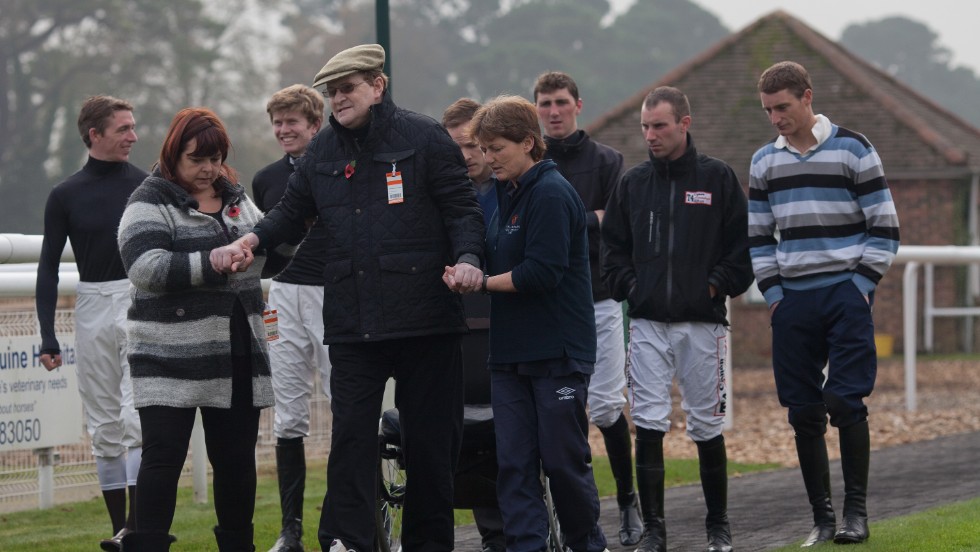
(485, 278)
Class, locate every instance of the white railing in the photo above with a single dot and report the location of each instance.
(913, 256)
(26, 248)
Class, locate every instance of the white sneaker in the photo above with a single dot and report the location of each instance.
(337, 546)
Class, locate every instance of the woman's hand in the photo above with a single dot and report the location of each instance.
(234, 257)
(463, 278)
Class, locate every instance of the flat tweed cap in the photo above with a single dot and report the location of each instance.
(366, 57)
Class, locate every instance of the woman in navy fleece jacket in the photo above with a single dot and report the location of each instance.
(542, 333)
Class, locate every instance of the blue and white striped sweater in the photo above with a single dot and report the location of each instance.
(833, 210)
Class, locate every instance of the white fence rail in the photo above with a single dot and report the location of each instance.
(913, 256)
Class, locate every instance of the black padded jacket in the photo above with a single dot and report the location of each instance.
(672, 228)
(384, 255)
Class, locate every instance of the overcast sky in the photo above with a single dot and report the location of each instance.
(955, 21)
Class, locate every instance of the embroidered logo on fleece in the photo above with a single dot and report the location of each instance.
(514, 225)
(697, 198)
(565, 393)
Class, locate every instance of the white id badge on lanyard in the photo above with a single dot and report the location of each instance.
(396, 189)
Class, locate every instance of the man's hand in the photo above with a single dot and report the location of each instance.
(50, 361)
(463, 278)
(234, 257)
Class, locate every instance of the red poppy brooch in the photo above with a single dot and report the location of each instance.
(349, 169)
(234, 211)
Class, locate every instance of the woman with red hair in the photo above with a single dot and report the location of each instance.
(197, 338)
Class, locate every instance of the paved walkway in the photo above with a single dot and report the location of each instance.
(769, 510)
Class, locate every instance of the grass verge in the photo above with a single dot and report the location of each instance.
(77, 527)
(950, 528)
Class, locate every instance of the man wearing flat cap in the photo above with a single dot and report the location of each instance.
(391, 189)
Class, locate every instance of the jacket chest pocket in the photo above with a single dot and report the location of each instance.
(331, 186)
(648, 239)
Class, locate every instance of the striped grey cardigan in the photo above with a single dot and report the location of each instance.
(180, 321)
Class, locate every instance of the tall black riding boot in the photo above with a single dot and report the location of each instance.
(855, 456)
(115, 503)
(650, 487)
(713, 461)
(291, 469)
(237, 540)
(619, 448)
(815, 466)
(117, 497)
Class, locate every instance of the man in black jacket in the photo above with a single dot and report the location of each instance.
(594, 169)
(675, 245)
(391, 189)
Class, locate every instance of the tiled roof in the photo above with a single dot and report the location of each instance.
(915, 137)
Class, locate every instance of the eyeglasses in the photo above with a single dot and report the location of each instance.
(344, 89)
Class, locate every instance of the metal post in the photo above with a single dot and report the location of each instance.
(199, 461)
(972, 270)
(909, 284)
(383, 28)
(45, 477)
(928, 309)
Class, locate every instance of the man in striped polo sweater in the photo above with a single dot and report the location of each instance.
(823, 188)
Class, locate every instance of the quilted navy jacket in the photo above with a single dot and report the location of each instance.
(384, 256)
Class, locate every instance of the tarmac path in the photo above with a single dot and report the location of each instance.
(769, 509)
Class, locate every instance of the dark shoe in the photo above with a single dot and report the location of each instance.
(135, 541)
(819, 534)
(853, 530)
(114, 544)
(630, 524)
(652, 541)
(494, 548)
(719, 539)
(288, 542)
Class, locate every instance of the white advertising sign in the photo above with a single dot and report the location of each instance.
(38, 408)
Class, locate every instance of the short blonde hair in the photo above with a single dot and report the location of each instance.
(298, 97)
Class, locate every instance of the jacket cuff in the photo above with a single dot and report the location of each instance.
(592, 220)
(470, 259)
(773, 295)
(863, 283)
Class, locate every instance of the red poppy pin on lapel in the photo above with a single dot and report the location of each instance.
(349, 169)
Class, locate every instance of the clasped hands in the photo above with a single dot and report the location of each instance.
(234, 257)
(463, 278)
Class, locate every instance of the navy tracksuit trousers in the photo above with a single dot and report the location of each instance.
(541, 423)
